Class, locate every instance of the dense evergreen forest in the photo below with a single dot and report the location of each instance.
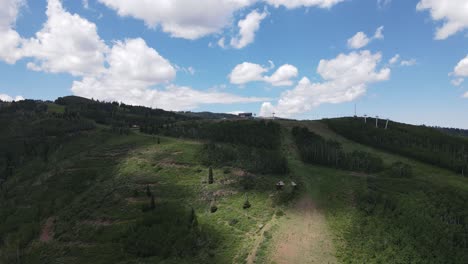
(79, 161)
(315, 149)
(422, 143)
(249, 144)
(119, 114)
(454, 131)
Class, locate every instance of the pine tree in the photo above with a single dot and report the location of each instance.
(246, 203)
(148, 191)
(210, 176)
(193, 222)
(213, 207)
(152, 204)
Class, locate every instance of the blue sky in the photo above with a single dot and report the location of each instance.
(307, 59)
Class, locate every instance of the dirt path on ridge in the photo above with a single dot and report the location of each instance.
(303, 236)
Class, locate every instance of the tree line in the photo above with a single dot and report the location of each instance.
(419, 142)
(315, 149)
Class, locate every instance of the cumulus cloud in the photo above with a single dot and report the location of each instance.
(460, 71)
(410, 62)
(221, 43)
(127, 71)
(134, 68)
(457, 82)
(247, 29)
(250, 72)
(290, 4)
(395, 59)
(360, 39)
(196, 19)
(282, 76)
(453, 13)
(345, 78)
(181, 18)
(66, 43)
(247, 72)
(465, 95)
(7, 98)
(10, 39)
(462, 68)
(383, 3)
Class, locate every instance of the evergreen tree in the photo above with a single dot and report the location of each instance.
(193, 222)
(152, 203)
(246, 203)
(210, 176)
(148, 191)
(213, 207)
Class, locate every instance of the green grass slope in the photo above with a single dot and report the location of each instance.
(379, 218)
(89, 204)
(73, 191)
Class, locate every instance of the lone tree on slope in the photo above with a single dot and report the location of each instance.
(210, 176)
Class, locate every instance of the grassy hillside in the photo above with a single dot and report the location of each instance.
(78, 190)
(380, 218)
(90, 201)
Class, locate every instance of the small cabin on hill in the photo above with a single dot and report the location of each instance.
(245, 115)
(280, 185)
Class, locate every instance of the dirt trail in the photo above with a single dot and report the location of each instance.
(303, 236)
(47, 232)
(258, 241)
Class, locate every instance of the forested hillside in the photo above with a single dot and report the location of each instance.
(84, 181)
(422, 143)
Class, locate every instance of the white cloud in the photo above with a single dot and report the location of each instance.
(379, 33)
(66, 43)
(290, 4)
(7, 98)
(283, 76)
(465, 95)
(247, 72)
(410, 62)
(181, 18)
(346, 78)
(383, 3)
(133, 69)
(250, 72)
(453, 13)
(247, 29)
(360, 39)
(457, 82)
(196, 19)
(267, 110)
(462, 68)
(461, 71)
(221, 43)
(10, 39)
(395, 59)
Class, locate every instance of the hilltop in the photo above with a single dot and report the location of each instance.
(84, 181)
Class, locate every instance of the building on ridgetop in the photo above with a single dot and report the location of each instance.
(245, 115)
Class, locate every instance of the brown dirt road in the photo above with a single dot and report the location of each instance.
(303, 236)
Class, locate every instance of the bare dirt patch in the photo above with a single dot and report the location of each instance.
(172, 164)
(47, 232)
(303, 236)
(239, 173)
